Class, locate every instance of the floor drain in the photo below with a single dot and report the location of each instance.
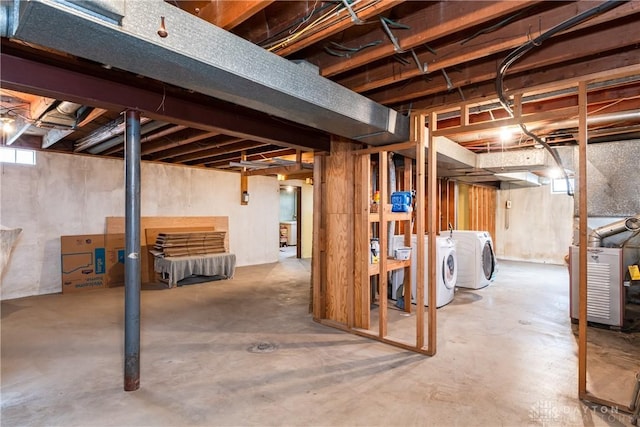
(262, 347)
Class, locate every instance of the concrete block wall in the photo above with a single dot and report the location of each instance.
(70, 195)
(537, 228)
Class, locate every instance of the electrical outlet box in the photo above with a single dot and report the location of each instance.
(508, 204)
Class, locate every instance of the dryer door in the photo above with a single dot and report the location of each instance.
(488, 260)
(449, 268)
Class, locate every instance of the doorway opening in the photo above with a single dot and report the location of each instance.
(290, 222)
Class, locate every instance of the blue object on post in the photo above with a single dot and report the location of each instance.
(400, 201)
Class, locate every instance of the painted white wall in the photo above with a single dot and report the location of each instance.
(537, 228)
(70, 195)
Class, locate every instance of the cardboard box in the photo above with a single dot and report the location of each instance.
(84, 262)
(115, 245)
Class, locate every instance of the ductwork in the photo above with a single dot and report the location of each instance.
(628, 224)
(65, 114)
(199, 56)
(8, 17)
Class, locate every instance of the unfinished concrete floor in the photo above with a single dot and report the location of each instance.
(506, 356)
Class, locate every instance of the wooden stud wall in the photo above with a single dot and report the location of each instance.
(447, 204)
(482, 208)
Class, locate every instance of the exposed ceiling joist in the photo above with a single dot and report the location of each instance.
(229, 14)
(34, 77)
(452, 18)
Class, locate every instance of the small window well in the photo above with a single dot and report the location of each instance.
(559, 185)
(17, 155)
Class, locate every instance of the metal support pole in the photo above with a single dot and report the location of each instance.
(132, 250)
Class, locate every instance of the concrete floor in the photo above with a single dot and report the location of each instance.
(507, 355)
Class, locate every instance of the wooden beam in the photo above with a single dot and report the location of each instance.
(477, 81)
(530, 118)
(193, 135)
(391, 147)
(502, 40)
(582, 241)
(207, 153)
(278, 170)
(229, 14)
(449, 20)
(149, 138)
(254, 154)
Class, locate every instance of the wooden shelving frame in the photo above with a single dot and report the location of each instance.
(365, 220)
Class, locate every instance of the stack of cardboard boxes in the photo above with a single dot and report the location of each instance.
(92, 261)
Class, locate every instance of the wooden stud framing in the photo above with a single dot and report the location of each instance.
(408, 185)
(582, 203)
(583, 393)
(318, 259)
(432, 218)
(384, 244)
(418, 123)
(362, 231)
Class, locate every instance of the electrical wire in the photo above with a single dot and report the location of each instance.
(329, 18)
(523, 49)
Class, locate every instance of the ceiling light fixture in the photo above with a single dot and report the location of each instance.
(8, 124)
(505, 134)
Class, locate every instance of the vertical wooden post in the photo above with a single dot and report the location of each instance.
(432, 231)
(361, 288)
(384, 243)
(338, 210)
(244, 182)
(464, 119)
(517, 105)
(318, 259)
(418, 124)
(582, 242)
(407, 285)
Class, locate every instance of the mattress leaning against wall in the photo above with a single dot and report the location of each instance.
(8, 239)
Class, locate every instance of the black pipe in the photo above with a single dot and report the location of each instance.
(520, 51)
(132, 250)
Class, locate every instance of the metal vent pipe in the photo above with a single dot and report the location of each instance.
(627, 224)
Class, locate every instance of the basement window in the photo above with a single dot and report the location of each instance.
(16, 155)
(559, 185)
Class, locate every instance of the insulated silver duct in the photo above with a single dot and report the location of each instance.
(627, 224)
(8, 17)
(196, 55)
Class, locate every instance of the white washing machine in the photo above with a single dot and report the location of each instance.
(477, 263)
(446, 270)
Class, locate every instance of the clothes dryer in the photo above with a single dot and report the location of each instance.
(477, 263)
